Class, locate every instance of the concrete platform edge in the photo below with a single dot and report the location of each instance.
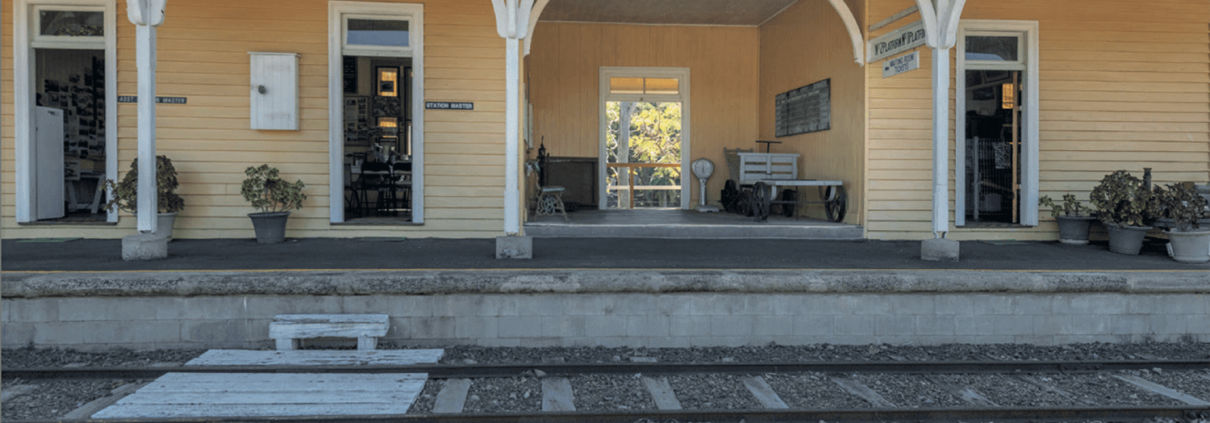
(354, 283)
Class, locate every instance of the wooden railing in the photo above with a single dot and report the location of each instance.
(630, 177)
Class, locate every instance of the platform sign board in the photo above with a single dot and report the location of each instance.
(448, 105)
(906, 63)
(898, 41)
(804, 110)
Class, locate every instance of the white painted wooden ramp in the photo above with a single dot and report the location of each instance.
(316, 358)
(269, 394)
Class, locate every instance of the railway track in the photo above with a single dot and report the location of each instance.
(1124, 390)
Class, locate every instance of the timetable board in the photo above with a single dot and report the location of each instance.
(804, 110)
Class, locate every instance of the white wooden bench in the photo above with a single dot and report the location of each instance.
(288, 329)
(773, 170)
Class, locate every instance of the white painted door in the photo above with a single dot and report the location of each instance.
(48, 164)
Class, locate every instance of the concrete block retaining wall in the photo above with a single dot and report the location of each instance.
(621, 319)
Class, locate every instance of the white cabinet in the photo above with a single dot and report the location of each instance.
(274, 91)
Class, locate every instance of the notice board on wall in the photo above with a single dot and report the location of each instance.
(804, 110)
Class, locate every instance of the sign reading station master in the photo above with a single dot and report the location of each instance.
(901, 64)
(897, 41)
(448, 105)
(158, 100)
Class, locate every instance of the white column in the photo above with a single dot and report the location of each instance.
(941, 120)
(512, 151)
(148, 206)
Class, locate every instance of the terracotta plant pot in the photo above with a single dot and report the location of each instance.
(1126, 240)
(1189, 247)
(270, 227)
(1073, 230)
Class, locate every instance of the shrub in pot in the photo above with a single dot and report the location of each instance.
(1187, 241)
(1074, 221)
(124, 195)
(1126, 206)
(275, 197)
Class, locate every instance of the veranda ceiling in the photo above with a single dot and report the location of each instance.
(699, 12)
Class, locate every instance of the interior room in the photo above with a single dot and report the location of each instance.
(69, 86)
(749, 66)
(377, 139)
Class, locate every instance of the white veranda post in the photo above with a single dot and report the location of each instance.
(941, 29)
(146, 15)
(512, 24)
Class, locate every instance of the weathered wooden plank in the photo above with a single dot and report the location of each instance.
(280, 394)
(278, 330)
(248, 410)
(316, 358)
(87, 410)
(452, 397)
(854, 387)
(763, 392)
(289, 378)
(1162, 390)
(158, 387)
(332, 318)
(556, 394)
(662, 393)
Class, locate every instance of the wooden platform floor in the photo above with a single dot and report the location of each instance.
(676, 223)
(193, 395)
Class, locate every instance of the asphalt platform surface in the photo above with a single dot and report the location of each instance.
(85, 255)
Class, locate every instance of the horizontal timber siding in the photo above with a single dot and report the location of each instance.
(1124, 85)
(203, 55)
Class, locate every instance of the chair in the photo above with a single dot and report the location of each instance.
(549, 199)
(353, 203)
(380, 177)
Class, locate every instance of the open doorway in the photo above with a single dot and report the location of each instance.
(377, 122)
(993, 147)
(64, 108)
(644, 154)
(645, 138)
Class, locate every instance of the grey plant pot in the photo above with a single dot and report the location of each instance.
(164, 222)
(270, 227)
(1126, 240)
(1189, 247)
(1073, 230)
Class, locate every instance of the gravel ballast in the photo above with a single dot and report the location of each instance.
(1195, 384)
(813, 391)
(610, 393)
(427, 398)
(909, 391)
(827, 352)
(1009, 391)
(712, 392)
(1105, 390)
(504, 395)
(54, 399)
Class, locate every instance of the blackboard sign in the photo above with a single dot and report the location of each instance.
(804, 110)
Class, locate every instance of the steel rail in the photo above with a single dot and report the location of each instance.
(441, 371)
(1116, 414)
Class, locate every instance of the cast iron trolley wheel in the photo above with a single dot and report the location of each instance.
(834, 206)
(787, 209)
(761, 201)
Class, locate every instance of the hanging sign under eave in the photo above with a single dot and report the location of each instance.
(901, 64)
(898, 41)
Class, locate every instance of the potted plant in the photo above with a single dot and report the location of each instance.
(275, 198)
(1126, 207)
(1074, 221)
(1187, 241)
(125, 195)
